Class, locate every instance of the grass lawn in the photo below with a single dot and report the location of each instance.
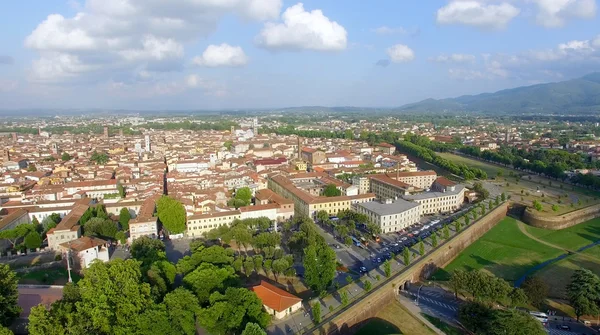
(503, 251)
(394, 319)
(53, 276)
(558, 275)
(441, 325)
(571, 238)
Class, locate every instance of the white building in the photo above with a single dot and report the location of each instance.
(85, 250)
(391, 215)
(448, 200)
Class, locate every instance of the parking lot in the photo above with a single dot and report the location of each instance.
(363, 259)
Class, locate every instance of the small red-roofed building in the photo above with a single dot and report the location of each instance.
(276, 301)
(85, 250)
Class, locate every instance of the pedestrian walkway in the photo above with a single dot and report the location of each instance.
(433, 298)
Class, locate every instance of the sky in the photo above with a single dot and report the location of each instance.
(236, 54)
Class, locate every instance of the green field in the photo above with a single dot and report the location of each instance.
(503, 251)
(441, 325)
(571, 238)
(557, 275)
(53, 276)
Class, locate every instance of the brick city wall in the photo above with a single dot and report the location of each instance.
(531, 217)
(345, 321)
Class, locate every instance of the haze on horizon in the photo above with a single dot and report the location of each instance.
(137, 54)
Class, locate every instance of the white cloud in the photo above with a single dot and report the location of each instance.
(222, 55)
(466, 74)
(476, 13)
(303, 30)
(385, 30)
(123, 37)
(554, 13)
(400, 53)
(453, 58)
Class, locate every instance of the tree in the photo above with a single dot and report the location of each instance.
(208, 278)
(99, 158)
(66, 157)
(33, 240)
(387, 268)
(490, 205)
(228, 313)
(584, 293)
(434, 240)
(322, 216)
(248, 266)
(458, 281)
(182, 306)
(243, 195)
(112, 296)
(331, 191)
(503, 197)
(536, 290)
(319, 265)
(253, 329)
(406, 255)
(555, 208)
(121, 190)
(15, 234)
(147, 250)
(9, 296)
(172, 214)
(121, 237)
(537, 205)
(316, 312)
(279, 266)
(421, 248)
(367, 285)
(124, 217)
(344, 296)
(446, 232)
(103, 228)
(31, 168)
(517, 297)
(5, 331)
(228, 144)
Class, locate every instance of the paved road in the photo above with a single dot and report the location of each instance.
(434, 301)
(33, 296)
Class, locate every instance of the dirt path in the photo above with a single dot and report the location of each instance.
(524, 231)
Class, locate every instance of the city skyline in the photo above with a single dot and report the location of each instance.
(271, 53)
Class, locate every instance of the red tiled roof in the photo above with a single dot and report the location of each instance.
(274, 297)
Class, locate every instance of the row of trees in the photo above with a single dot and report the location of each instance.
(430, 156)
(31, 235)
(347, 225)
(249, 232)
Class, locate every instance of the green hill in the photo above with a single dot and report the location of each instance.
(580, 95)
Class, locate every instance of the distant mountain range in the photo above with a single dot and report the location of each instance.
(580, 95)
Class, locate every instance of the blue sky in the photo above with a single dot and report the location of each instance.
(206, 54)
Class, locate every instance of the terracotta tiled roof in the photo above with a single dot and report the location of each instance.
(274, 297)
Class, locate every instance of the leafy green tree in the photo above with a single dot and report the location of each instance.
(31, 168)
(446, 232)
(536, 290)
(182, 307)
(331, 191)
(467, 221)
(103, 228)
(555, 208)
(148, 250)
(344, 297)
(112, 296)
(434, 240)
(208, 278)
(124, 218)
(121, 190)
(458, 225)
(229, 313)
(537, 205)
(5, 331)
(367, 285)
(121, 237)
(406, 255)
(244, 195)
(316, 312)
(491, 205)
(66, 157)
(248, 267)
(503, 197)
(517, 297)
(228, 144)
(279, 266)
(387, 268)
(421, 248)
(258, 262)
(584, 293)
(253, 329)
(172, 214)
(14, 235)
(319, 265)
(458, 281)
(100, 158)
(33, 240)
(35, 221)
(9, 296)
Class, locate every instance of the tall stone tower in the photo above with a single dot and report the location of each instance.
(105, 131)
(148, 145)
(255, 126)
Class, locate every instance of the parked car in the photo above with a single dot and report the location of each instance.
(563, 327)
